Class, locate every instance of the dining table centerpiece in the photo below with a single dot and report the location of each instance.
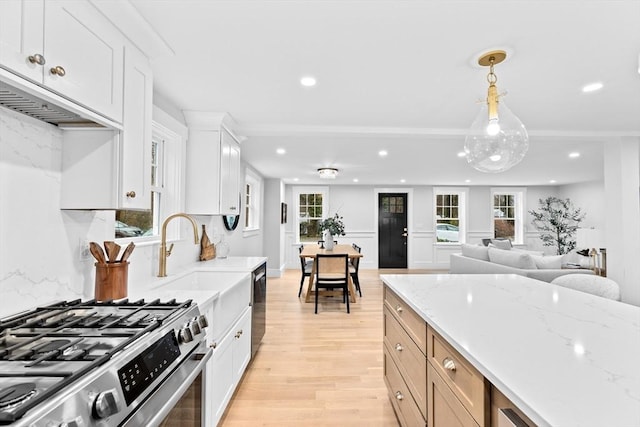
(331, 227)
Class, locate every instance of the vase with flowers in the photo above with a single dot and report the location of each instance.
(331, 227)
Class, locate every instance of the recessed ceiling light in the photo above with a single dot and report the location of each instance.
(403, 180)
(296, 179)
(592, 87)
(467, 181)
(308, 81)
(462, 154)
(382, 153)
(281, 151)
(553, 181)
(574, 155)
(355, 179)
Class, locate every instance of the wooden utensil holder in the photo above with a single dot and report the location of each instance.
(111, 280)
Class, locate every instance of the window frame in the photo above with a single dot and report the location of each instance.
(170, 186)
(519, 194)
(297, 191)
(462, 193)
(254, 182)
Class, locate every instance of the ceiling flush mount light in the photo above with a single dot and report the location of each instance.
(497, 139)
(281, 151)
(574, 155)
(382, 153)
(308, 81)
(592, 87)
(328, 173)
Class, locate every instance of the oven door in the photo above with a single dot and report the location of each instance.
(178, 401)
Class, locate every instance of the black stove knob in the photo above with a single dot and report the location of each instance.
(106, 404)
(185, 335)
(202, 320)
(195, 327)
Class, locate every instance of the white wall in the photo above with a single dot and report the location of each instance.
(40, 245)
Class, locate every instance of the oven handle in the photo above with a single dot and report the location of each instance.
(159, 414)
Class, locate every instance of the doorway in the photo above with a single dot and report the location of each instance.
(392, 230)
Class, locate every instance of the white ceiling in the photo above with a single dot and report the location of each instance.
(401, 76)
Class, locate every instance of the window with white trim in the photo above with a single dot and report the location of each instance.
(450, 214)
(508, 214)
(252, 206)
(311, 203)
(165, 192)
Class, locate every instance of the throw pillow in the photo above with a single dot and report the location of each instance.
(527, 251)
(475, 251)
(501, 244)
(511, 259)
(548, 262)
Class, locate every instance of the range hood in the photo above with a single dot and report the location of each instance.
(35, 101)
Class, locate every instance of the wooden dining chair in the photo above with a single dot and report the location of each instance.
(332, 272)
(354, 266)
(305, 266)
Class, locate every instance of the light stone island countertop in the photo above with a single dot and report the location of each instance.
(565, 358)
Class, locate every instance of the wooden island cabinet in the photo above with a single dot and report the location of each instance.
(429, 382)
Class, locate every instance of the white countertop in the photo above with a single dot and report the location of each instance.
(565, 358)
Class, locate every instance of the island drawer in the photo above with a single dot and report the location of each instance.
(405, 407)
(466, 383)
(409, 360)
(444, 408)
(415, 325)
(500, 401)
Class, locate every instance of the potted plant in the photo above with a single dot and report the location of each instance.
(330, 227)
(557, 221)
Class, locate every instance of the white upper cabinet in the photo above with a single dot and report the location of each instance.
(111, 169)
(67, 47)
(213, 166)
(135, 160)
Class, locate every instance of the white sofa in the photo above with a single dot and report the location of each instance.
(476, 259)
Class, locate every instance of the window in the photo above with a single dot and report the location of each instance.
(450, 215)
(252, 192)
(165, 163)
(311, 204)
(508, 209)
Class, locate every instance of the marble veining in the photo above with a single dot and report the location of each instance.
(566, 358)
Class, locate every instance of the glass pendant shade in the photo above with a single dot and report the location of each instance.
(497, 143)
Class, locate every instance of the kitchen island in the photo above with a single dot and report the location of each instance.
(562, 357)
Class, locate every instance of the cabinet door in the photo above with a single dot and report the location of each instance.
(90, 50)
(220, 379)
(203, 172)
(229, 175)
(21, 36)
(242, 345)
(443, 407)
(135, 159)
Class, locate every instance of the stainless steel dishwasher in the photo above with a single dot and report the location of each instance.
(259, 304)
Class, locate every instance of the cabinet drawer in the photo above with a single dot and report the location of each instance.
(415, 325)
(500, 401)
(410, 361)
(405, 407)
(465, 381)
(444, 408)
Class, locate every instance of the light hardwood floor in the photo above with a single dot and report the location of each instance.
(316, 370)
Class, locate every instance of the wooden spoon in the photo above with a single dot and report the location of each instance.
(97, 252)
(112, 249)
(127, 252)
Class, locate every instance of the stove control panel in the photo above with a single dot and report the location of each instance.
(146, 367)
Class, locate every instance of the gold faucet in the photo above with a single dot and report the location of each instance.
(164, 252)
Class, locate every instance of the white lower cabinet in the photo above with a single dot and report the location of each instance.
(230, 358)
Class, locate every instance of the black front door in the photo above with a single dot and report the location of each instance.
(392, 230)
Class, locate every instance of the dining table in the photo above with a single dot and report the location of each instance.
(311, 251)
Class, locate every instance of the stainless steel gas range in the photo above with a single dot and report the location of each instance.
(94, 363)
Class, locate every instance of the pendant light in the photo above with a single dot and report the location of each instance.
(497, 139)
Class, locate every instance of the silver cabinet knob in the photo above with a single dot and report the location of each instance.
(399, 395)
(131, 194)
(106, 404)
(213, 345)
(37, 59)
(449, 364)
(399, 347)
(58, 70)
(399, 309)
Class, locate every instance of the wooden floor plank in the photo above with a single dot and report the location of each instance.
(316, 370)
